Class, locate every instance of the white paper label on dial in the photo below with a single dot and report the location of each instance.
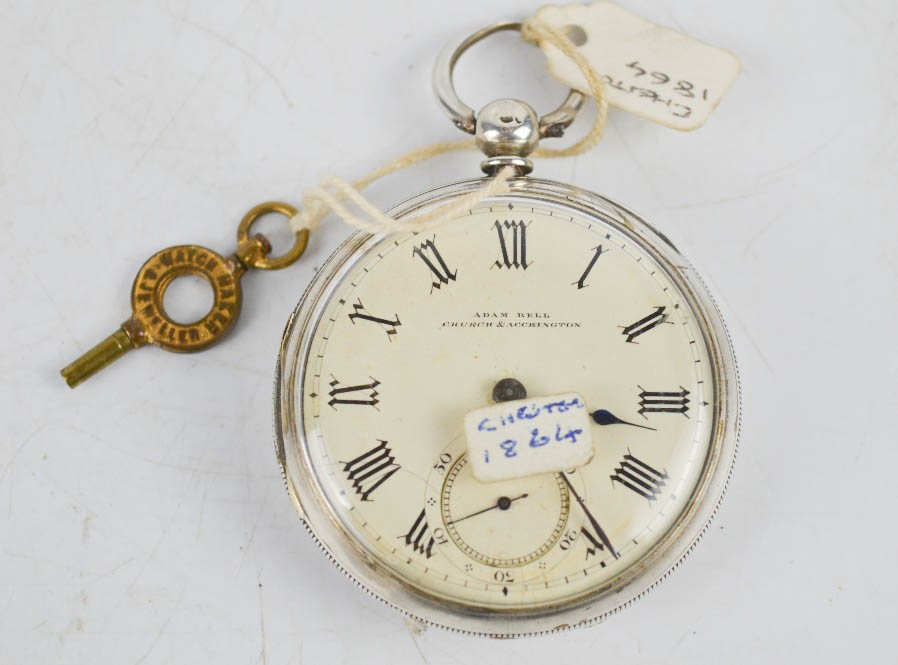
(529, 436)
(654, 72)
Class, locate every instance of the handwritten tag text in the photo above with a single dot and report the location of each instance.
(529, 436)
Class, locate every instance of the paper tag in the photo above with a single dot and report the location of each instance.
(657, 73)
(528, 436)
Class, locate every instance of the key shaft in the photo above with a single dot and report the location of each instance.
(105, 353)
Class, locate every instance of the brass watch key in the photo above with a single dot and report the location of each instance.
(150, 324)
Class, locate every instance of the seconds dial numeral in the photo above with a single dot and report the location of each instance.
(666, 402)
(440, 273)
(389, 325)
(371, 469)
(636, 475)
(365, 394)
(515, 234)
(645, 324)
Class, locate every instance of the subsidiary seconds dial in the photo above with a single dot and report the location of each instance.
(491, 522)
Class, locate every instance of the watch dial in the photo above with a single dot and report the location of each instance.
(418, 329)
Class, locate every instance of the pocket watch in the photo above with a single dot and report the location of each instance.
(424, 380)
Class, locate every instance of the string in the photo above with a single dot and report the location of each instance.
(535, 31)
(333, 193)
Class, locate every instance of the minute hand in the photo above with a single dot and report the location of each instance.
(600, 532)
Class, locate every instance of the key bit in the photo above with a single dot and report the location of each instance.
(105, 353)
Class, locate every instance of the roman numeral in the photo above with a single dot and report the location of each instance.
(371, 469)
(597, 252)
(419, 537)
(594, 545)
(636, 475)
(645, 324)
(516, 233)
(440, 273)
(346, 394)
(670, 402)
(388, 325)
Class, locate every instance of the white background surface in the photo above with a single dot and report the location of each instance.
(142, 516)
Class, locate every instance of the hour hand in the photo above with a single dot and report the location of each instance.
(605, 417)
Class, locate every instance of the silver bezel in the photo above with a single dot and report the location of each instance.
(355, 562)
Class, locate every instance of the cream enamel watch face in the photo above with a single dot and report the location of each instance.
(414, 332)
